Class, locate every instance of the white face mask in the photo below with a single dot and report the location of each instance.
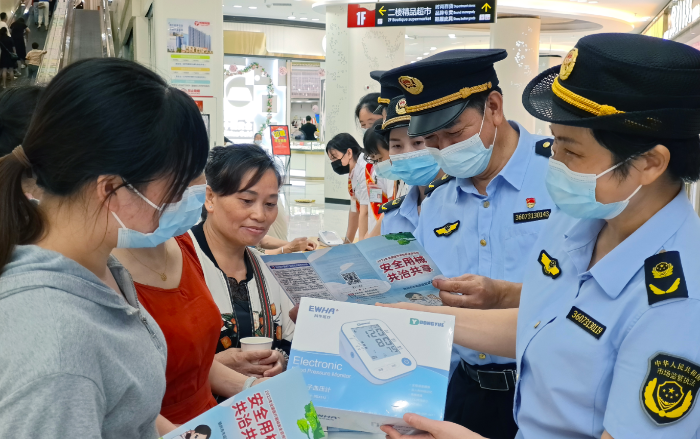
(257, 142)
(467, 158)
(364, 130)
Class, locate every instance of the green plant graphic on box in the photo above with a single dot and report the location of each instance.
(309, 425)
(402, 238)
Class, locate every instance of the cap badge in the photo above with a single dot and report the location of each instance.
(401, 107)
(530, 202)
(411, 85)
(568, 65)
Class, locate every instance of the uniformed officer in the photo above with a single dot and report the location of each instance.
(478, 227)
(410, 162)
(608, 327)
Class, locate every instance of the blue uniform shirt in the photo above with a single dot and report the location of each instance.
(489, 241)
(592, 353)
(405, 218)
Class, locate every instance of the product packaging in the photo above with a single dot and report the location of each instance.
(366, 366)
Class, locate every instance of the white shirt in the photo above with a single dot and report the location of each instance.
(3, 24)
(359, 182)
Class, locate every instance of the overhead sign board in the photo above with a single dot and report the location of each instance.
(422, 13)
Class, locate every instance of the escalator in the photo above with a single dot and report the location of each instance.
(86, 35)
(76, 34)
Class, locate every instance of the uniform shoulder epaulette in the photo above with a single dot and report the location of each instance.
(437, 183)
(663, 276)
(391, 205)
(544, 147)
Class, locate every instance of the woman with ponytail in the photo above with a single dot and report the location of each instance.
(80, 356)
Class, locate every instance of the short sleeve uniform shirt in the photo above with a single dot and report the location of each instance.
(489, 235)
(615, 347)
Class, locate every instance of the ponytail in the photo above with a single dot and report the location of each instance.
(21, 221)
(140, 128)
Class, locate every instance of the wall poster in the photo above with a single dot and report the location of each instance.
(189, 56)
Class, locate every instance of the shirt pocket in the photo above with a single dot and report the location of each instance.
(518, 248)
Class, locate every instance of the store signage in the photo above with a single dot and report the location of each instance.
(358, 16)
(279, 136)
(681, 15)
(422, 14)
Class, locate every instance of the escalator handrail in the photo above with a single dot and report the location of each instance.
(106, 26)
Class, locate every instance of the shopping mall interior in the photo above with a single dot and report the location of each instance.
(273, 62)
(300, 219)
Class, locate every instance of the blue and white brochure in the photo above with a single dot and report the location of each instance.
(278, 408)
(386, 269)
(367, 366)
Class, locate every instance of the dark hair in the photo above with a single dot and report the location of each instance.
(684, 164)
(203, 429)
(368, 101)
(17, 105)
(308, 118)
(342, 142)
(228, 165)
(372, 140)
(410, 295)
(19, 20)
(138, 127)
(3, 16)
(35, 45)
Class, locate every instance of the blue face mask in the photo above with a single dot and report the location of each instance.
(467, 158)
(176, 219)
(417, 168)
(574, 193)
(384, 170)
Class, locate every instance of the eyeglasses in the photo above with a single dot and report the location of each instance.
(370, 160)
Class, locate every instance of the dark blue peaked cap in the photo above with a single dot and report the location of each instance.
(437, 88)
(387, 93)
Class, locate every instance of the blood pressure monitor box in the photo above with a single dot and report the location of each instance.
(366, 365)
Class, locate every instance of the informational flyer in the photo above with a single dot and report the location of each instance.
(387, 269)
(189, 56)
(279, 408)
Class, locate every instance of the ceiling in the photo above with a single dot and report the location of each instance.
(563, 21)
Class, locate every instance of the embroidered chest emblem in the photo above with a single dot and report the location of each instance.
(447, 229)
(550, 265)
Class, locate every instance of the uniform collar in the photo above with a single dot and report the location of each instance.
(615, 270)
(409, 205)
(514, 171)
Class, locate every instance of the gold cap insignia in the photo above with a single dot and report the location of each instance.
(568, 65)
(401, 107)
(411, 85)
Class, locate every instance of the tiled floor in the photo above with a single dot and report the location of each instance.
(306, 219)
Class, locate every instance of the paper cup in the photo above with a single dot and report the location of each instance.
(256, 344)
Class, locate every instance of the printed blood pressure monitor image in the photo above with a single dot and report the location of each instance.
(367, 365)
(372, 349)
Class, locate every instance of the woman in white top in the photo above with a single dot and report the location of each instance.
(346, 158)
(241, 205)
